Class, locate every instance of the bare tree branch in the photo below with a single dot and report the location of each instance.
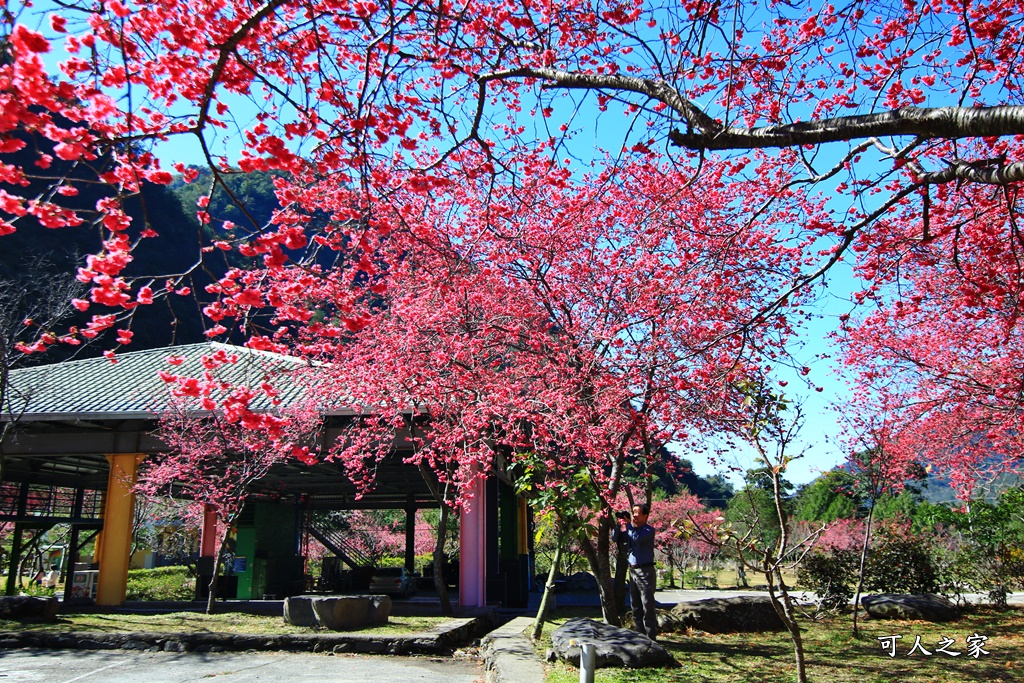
(1000, 174)
(705, 133)
(950, 123)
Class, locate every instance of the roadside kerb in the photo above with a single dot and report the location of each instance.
(509, 656)
(441, 639)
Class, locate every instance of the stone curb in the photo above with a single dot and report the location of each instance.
(509, 656)
(439, 640)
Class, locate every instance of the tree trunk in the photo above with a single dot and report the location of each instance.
(549, 589)
(14, 570)
(218, 562)
(440, 583)
(211, 596)
(621, 577)
(784, 607)
(597, 556)
(782, 602)
(863, 564)
(441, 496)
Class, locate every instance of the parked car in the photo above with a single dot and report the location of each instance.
(393, 581)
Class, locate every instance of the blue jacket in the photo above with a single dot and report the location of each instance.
(641, 543)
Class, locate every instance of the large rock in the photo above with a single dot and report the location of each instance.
(739, 614)
(581, 582)
(28, 607)
(917, 606)
(614, 646)
(337, 612)
(298, 610)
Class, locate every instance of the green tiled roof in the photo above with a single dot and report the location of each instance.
(131, 388)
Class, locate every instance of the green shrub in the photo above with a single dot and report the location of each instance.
(31, 588)
(394, 561)
(902, 564)
(831, 575)
(162, 583)
(694, 578)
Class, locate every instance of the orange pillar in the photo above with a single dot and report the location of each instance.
(114, 553)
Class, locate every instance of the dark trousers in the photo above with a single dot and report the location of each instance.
(642, 581)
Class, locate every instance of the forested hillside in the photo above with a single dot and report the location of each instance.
(36, 262)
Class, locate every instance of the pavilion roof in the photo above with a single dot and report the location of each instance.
(132, 387)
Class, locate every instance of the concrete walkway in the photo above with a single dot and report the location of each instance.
(509, 656)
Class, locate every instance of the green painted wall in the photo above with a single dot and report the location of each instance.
(269, 545)
(245, 546)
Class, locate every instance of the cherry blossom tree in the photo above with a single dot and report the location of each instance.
(358, 101)
(879, 462)
(592, 334)
(946, 379)
(377, 535)
(213, 458)
(412, 138)
(905, 117)
(678, 549)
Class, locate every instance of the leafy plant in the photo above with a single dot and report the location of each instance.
(988, 555)
(163, 584)
(902, 564)
(831, 576)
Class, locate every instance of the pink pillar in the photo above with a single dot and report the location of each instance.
(208, 539)
(473, 549)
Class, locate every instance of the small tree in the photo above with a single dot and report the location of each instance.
(214, 459)
(677, 549)
(771, 434)
(876, 475)
(565, 502)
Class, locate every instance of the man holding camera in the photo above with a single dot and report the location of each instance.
(643, 578)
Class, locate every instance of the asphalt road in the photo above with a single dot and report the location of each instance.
(119, 666)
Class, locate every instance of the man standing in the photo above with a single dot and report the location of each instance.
(643, 577)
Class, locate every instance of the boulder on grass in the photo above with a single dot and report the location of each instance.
(740, 614)
(614, 646)
(337, 612)
(914, 606)
(28, 607)
(298, 610)
(347, 613)
(581, 582)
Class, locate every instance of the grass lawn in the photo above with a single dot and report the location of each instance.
(195, 622)
(725, 578)
(833, 655)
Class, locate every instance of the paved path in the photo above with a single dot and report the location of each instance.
(119, 666)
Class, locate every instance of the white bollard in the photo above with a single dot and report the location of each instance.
(588, 659)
